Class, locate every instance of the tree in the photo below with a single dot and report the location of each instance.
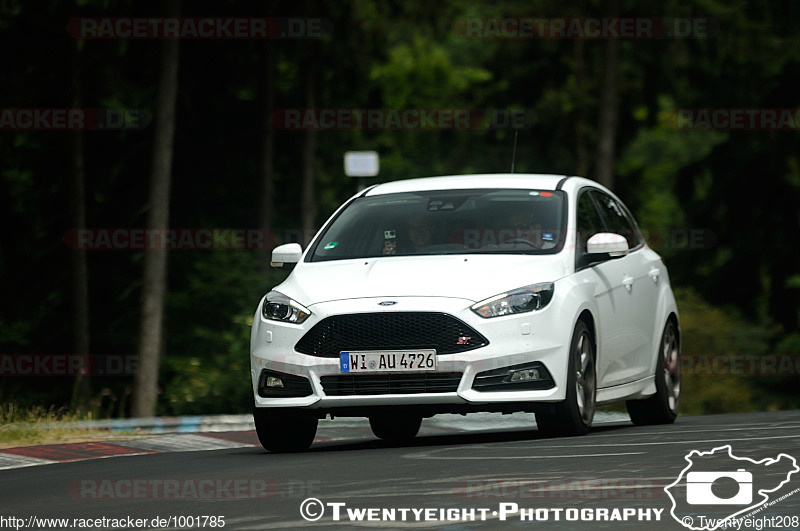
(308, 208)
(267, 210)
(154, 286)
(80, 275)
(609, 109)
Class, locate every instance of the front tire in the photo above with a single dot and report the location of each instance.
(574, 415)
(662, 407)
(282, 430)
(396, 429)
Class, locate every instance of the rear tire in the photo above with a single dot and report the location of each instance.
(398, 429)
(662, 407)
(574, 415)
(282, 430)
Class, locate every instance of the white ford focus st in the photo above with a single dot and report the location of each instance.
(495, 293)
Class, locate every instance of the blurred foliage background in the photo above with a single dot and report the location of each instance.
(738, 286)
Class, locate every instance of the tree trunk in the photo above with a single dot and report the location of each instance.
(581, 153)
(609, 109)
(267, 210)
(154, 285)
(80, 275)
(309, 149)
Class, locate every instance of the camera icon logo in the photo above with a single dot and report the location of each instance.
(699, 488)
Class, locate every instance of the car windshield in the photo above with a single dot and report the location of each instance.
(446, 222)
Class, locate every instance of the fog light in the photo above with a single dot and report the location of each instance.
(530, 376)
(525, 375)
(274, 382)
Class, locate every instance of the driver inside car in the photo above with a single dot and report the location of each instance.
(419, 236)
(521, 230)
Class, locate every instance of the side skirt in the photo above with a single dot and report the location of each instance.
(629, 391)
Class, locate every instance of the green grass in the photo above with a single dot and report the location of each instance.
(38, 425)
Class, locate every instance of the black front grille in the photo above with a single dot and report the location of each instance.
(389, 331)
(390, 384)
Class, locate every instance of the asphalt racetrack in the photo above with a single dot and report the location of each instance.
(454, 466)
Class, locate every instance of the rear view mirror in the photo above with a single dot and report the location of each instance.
(286, 256)
(607, 242)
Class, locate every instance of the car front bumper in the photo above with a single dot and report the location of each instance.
(513, 340)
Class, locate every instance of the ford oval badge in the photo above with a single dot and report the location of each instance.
(387, 303)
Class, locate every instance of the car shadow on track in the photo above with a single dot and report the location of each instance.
(363, 440)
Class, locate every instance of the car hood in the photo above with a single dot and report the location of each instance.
(474, 277)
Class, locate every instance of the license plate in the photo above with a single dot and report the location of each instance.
(388, 361)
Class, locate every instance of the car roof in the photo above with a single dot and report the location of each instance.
(463, 182)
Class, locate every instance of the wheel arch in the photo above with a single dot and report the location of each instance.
(673, 317)
(587, 317)
(666, 311)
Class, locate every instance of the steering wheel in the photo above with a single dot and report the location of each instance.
(522, 240)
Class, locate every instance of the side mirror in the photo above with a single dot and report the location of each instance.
(607, 243)
(286, 256)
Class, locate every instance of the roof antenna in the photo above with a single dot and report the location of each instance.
(514, 153)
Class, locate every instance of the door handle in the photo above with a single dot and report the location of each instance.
(627, 281)
(654, 274)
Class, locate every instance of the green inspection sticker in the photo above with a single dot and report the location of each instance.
(330, 245)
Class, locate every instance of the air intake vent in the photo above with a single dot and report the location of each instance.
(390, 384)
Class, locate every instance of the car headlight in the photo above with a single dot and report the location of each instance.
(279, 307)
(522, 300)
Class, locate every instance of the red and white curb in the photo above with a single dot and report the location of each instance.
(67, 452)
(49, 454)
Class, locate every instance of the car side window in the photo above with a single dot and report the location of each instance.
(616, 218)
(589, 221)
